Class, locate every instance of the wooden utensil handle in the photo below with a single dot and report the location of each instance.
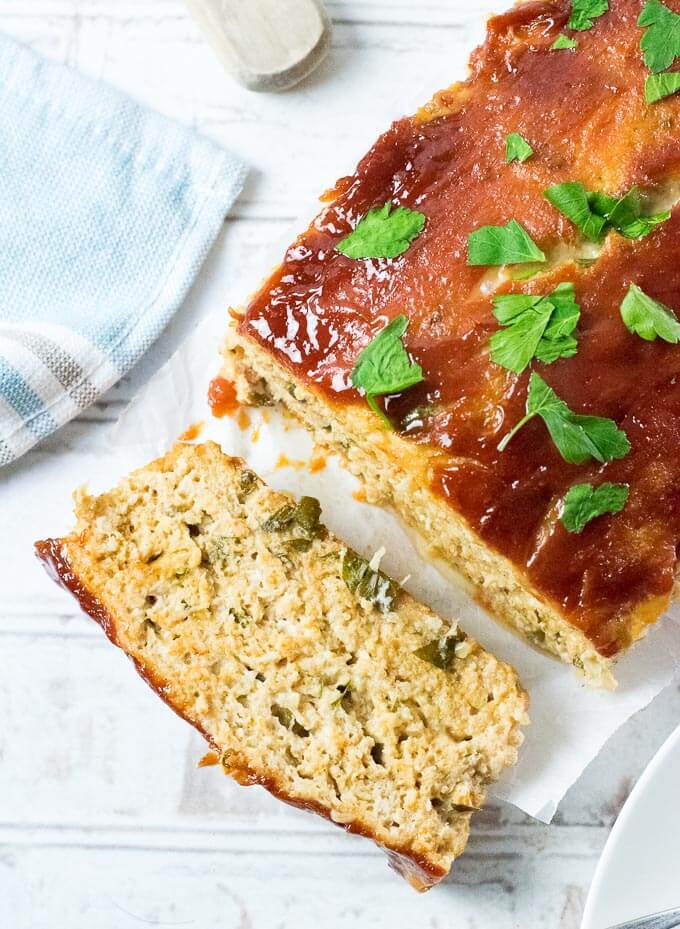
(265, 44)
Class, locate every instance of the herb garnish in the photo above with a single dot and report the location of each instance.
(658, 86)
(502, 245)
(441, 652)
(383, 233)
(648, 318)
(661, 42)
(384, 367)
(517, 148)
(660, 45)
(558, 340)
(563, 41)
(595, 213)
(583, 12)
(571, 199)
(536, 326)
(368, 584)
(583, 502)
(577, 438)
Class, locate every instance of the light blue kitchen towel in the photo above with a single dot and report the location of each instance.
(107, 211)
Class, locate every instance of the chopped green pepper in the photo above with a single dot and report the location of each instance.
(441, 652)
(247, 482)
(368, 584)
(287, 720)
(305, 514)
(280, 518)
(299, 545)
(345, 692)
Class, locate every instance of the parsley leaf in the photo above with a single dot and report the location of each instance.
(550, 350)
(383, 233)
(658, 86)
(566, 312)
(595, 213)
(618, 213)
(558, 341)
(502, 245)
(563, 41)
(384, 367)
(583, 12)
(578, 438)
(643, 225)
(648, 318)
(583, 502)
(537, 326)
(515, 346)
(661, 42)
(571, 199)
(517, 148)
(507, 307)
(624, 214)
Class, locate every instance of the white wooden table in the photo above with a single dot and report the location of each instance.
(105, 821)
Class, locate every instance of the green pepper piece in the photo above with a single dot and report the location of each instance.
(247, 483)
(441, 652)
(281, 518)
(307, 515)
(368, 584)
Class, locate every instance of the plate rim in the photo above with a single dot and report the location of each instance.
(621, 822)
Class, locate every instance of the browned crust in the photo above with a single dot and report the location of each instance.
(52, 554)
(421, 873)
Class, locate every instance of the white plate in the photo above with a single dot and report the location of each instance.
(639, 871)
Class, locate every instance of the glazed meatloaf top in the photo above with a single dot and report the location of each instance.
(580, 95)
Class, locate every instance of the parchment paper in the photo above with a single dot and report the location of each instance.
(569, 720)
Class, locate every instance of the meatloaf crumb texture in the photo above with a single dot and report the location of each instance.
(237, 614)
(397, 476)
(495, 508)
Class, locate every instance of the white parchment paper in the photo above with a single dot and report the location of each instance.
(569, 721)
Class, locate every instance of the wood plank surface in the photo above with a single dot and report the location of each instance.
(105, 820)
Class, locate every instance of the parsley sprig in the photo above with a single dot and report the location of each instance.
(648, 318)
(502, 245)
(384, 366)
(583, 503)
(578, 438)
(535, 327)
(660, 46)
(583, 12)
(384, 232)
(517, 148)
(658, 86)
(660, 43)
(563, 41)
(596, 213)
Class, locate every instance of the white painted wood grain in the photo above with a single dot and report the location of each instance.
(105, 821)
(114, 887)
(374, 73)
